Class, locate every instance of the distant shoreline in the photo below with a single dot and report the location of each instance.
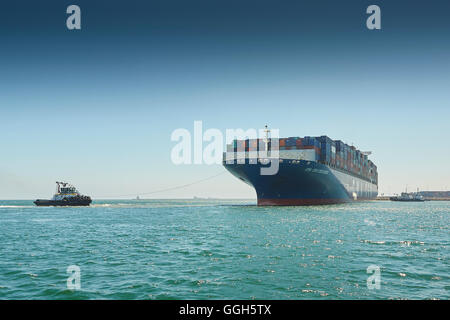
(141, 199)
(384, 198)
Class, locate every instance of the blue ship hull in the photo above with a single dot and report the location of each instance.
(303, 182)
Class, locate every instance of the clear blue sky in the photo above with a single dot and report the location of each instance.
(97, 106)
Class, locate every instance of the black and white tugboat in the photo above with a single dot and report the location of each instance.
(66, 195)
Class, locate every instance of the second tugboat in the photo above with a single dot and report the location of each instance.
(66, 195)
(408, 197)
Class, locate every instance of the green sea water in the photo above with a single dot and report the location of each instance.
(224, 249)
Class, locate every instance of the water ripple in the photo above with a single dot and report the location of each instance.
(228, 249)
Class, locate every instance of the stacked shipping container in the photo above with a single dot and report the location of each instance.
(333, 153)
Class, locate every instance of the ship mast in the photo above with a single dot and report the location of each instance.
(266, 138)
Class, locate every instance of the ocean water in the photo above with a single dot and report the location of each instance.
(225, 249)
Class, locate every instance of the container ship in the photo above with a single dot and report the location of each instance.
(311, 170)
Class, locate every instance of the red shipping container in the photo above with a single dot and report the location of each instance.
(253, 144)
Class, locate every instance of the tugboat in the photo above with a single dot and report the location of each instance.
(408, 197)
(66, 195)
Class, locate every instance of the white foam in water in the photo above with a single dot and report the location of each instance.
(16, 206)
